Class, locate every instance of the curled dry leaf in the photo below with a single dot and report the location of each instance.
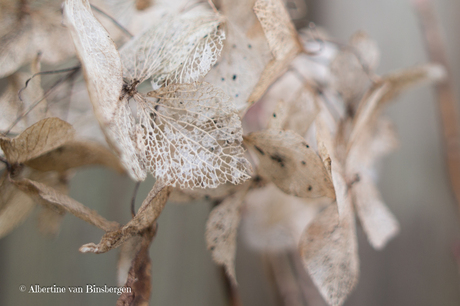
(329, 252)
(74, 154)
(49, 197)
(289, 162)
(176, 49)
(147, 214)
(221, 231)
(103, 75)
(191, 137)
(42, 137)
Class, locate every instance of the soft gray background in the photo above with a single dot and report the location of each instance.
(417, 268)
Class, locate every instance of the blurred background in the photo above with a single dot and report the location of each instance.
(418, 267)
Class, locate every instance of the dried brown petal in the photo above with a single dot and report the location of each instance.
(49, 197)
(352, 65)
(378, 222)
(42, 137)
(297, 113)
(273, 70)
(278, 27)
(274, 221)
(406, 78)
(282, 39)
(279, 117)
(50, 217)
(221, 231)
(289, 162)
(329, 252)
(387, 89)
(15, 206)
(76, 154)
(147, 214)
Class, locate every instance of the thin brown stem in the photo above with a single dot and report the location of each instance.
(286, 280)
(45, 95)
(447, 100)
(113, 20)
(133, 199)
(231, 291)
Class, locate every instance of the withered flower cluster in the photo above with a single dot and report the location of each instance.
(226, 100)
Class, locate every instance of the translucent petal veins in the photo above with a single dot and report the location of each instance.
(103, 74)
(174, 50)
(191, 137)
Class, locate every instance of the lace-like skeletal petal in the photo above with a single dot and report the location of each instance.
(103, 74)
(191, 136)
(176, 49)
(279, 30)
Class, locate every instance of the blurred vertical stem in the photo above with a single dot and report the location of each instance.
(447, 100)
(231, 291)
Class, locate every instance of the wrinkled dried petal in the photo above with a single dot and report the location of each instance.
(288, 161)
(221, 231)
(42, 137)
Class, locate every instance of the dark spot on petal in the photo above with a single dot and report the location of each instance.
(303, 162)
(274, 115)
(234, 77)
(278, 159)
(260, 150)
(310, 188)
